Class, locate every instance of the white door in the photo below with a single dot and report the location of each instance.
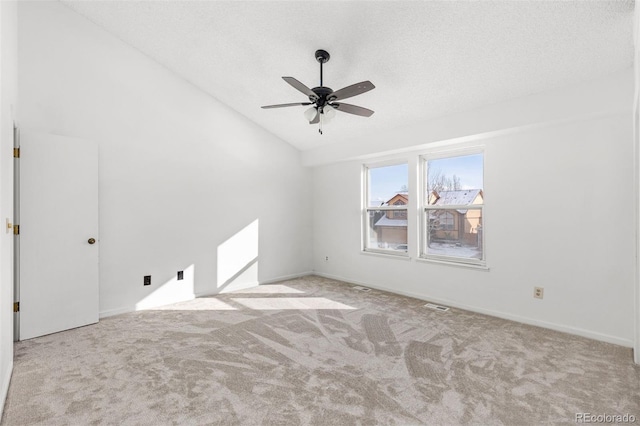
(58, 233)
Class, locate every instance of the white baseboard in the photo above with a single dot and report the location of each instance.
(5, 386)
(525, 320)
(125, 310)
(262, 282)
(118, 311)
(286, 277)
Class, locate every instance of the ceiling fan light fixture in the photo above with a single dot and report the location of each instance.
(311, 113)
(328, 112)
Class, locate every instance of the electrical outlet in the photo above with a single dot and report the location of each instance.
(180, 275)
(538, 292)
(147, 280)
(326, 258)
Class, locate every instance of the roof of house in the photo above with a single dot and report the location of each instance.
(401, 195)
(404, 196)
(461, 197)
(385, 221)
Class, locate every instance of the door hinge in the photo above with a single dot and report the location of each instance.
(16, 229)
(16, 152)
(16, 306)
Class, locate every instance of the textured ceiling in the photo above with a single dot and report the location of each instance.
(426, 58)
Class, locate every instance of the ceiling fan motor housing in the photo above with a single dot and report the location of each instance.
(323, 95)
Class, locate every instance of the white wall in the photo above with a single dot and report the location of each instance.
(559, 213)
(636, 145)
(601, 96)
(8, 96)
(181, 175)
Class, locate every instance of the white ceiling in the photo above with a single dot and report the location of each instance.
(426, 58)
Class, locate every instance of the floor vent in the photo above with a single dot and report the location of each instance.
(437, 307)
(360, 288)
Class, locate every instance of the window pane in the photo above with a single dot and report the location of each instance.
(387, 230)
(455, 233)
(455, 180)
(388, 186)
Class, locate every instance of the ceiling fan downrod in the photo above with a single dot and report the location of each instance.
(322, 56)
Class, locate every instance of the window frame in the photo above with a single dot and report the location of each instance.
(424, 207)
(366, 208)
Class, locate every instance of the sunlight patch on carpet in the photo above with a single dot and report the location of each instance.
(270, 289)
(268, 303)
(200, 304)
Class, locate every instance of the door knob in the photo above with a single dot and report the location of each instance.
(91, 241)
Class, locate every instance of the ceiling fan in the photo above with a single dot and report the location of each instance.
(324, 100)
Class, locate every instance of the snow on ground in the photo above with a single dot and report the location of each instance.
(438, 249)
(451, 249)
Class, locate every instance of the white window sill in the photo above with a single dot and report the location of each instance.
(405, 256)
(400, 256)
(453, 263)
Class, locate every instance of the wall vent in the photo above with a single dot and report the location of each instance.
(360, 288)
(437, 307)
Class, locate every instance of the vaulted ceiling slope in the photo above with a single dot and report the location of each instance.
(427, 59)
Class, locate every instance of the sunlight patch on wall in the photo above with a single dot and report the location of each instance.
(277, 303)
(171, 291)
(238, 259)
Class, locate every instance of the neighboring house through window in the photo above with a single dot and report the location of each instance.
(386, 199)
(452, 212)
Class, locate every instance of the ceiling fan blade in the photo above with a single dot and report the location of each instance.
(315, 120)
(301, 87)
(353, 90)
(286, 105)
(352, 109)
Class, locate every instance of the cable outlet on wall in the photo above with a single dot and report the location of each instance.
(538, 292)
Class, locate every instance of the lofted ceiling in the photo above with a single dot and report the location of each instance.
(426, 59)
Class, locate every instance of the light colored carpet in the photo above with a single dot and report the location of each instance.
(315, 351)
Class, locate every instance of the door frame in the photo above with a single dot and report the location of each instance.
(16, 237)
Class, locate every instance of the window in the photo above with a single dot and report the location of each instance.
(452, 208)
(385, 208)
